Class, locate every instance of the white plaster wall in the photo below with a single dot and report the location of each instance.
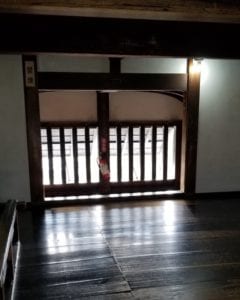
(153, 65)
(14, 171)
(68, 106)
(145, 106)
(72, 63)
(77, 63)
(218, 162)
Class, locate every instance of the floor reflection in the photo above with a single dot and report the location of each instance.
(169, 216)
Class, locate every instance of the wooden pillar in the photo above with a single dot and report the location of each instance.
(115, 65)
(33, 127)
(103, 125)
(192, 114)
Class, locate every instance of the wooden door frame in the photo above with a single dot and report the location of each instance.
(30, 76)
(34, 140)
(192, 117)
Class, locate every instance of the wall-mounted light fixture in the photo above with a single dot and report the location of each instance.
(196, 66)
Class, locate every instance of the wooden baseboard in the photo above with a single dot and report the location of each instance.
(235, 195)
(215, 195)
(103, 200)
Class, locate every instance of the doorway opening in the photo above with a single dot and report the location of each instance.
(144, 129)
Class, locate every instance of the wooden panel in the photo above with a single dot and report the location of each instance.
(113, 37)
(33, 129)
(192, 129)
(107, 81)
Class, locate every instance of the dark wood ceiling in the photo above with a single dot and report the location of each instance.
(21, 33)
(178, 10)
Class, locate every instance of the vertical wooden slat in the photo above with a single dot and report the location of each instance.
(154, 148)
(63, 155)
(165, 151)
(87, 149)
(192, 103)
(75, 154)
(178, 153)
(130, 152)
(50, 154)
(142, 152)
(119, 153)
(33, 127)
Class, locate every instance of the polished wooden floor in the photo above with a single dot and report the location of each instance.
(135, 250)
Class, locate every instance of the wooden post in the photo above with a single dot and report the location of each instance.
(103, 123)
(115, 65)
(119, 153)
(33, 127)
(154, 151)
(192, 113)
(142, 152)
(165, 152)
(50, 154)
(63, 155)
(87, 149)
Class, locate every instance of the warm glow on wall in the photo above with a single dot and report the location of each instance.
(196, 66)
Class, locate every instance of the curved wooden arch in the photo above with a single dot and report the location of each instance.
(178, 95)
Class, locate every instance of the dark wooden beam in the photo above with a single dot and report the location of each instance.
(130, 152)
(107, 81)
(192, 128)
(75, 154)
(204, 10)
(120, 37)
(178, 152)
(115, 65)
(119, 153)
(70, 124)
(142, 152)
(165, 152)
(154, 151)
(50, 154)
(33, 127)
(88, 154)
(63, 155)
(178, 95)
(123, 187)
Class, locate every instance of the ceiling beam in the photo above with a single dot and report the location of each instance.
(175, 10)
(117, 37)
(109, 82)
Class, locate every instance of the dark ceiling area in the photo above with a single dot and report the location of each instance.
(25, 33)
